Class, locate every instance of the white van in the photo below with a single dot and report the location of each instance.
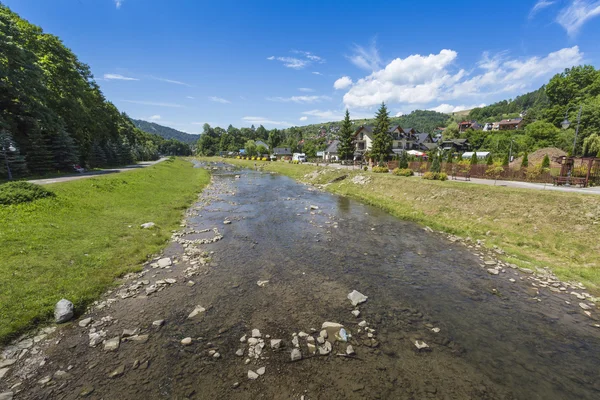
(300, 157)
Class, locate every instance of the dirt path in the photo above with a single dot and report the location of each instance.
(487, 337)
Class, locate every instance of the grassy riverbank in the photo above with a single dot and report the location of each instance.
(535, 228)
(75, 244)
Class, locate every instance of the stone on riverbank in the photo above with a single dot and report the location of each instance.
(356, 298)
(63, 311)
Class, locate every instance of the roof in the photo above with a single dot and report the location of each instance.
(429, 146)
(282, 150)
(261, 143)
(421, 137)
(480, 154)
(333, 147)
(513, 121)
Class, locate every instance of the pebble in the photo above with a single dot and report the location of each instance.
(196, 311)
(493, 271)
(356, 313)
(262, 283)
(226, 222)
(112, 344)
(63, 311)
(217, 355)
(191, 283)
(295, 341)
(276, 343)
(261, 371)
(436, 330)
(243, 339)
(421, 345)
(325, 348)
(296, 355)
(239, 353)
(585, 306)
(350, 350)
(187, 341)
(117, 372)
(158, 322)
(252, 375)
(356, 298)
(85, 322)
(256, 333)
(362, 324)
(165, 262)
(512, 280)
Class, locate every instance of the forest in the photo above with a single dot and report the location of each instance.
(52, 112)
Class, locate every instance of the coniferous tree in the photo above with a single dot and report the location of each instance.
(546, 162)
(474, 158)
(11, 156)
(403, 160)
(97, 157)
(489, 160)
(346, 146)
(435, 164)
(382, 141)
(39, 158)
(525, 162)
(64, 150)
(505, 161)
(450, 157)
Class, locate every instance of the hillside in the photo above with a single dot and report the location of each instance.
(164, 131)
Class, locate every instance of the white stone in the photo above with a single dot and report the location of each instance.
(320, 340)
(112, 344)
(252, 375)
(356, 313)
(585, 306)
(302, 334)
(239, 353)
(170, 281)
(147, 225)
(226, 222)
(325, 348)
(295, 341)
(262, 283)
(362, 324)
(159, 322)
(261, 371)
(356, 298)
(420, 344)
(256, 333)
(276, 343)
(493, 271)
(253, 341)
(63, 311)
(243, 339)
(350, 350)
(165, 262)
(436, 330)
(217, 355)
(85, 322)
(186, 341)
(311, 347)
(296, 355)
(197, 310)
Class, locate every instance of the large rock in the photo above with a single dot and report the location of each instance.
(165, 262)
(63, 311)
(356, 298)
(296, 355)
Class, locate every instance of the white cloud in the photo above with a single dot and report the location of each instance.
(219, 100)
(304, 59)
(264, 121)
(303, 118)
(152, 103)
(271, 58)
(118, 3)
(574, 16)
(399, 114)
(310, 56)
(540, 5)
(306, 90)
(317, 73)
(170, 81)
(366, 57)
(299, 99)
(449, 109)
(190, 97)
(325, 115)
(155, 117)
(419, 79)
(119, 77)
(343, 83)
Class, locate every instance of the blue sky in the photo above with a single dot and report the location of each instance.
(284, 63)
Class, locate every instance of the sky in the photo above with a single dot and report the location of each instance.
(290, 63)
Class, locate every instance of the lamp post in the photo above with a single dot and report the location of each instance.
(4, 147)
(510, 152)
(565, 124)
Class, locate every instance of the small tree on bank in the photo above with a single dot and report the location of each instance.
(435, 164)
(382, 141)
(546, 162)
(505, 161)
(489, 160)
(346, 147)
(403, 163)
(525, 162)
(474, 158)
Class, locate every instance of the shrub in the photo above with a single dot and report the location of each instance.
(264, 159)
(365, 168)
(435, 176)
(436, 166)
(403, 172)
(380, 170)
(22, 192)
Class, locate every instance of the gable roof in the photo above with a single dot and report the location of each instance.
(261, 143)
(422, 137)
(333, 147)
(513, 121)
(282, 151)
(366, 128)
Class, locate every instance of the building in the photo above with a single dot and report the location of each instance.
(282, 153)
(480, 155)
(456, 145)
(464, 125)
(403, 139)
(510, 124)
(331, 152)
(259, 143)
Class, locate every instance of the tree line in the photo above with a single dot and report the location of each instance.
(52, 112)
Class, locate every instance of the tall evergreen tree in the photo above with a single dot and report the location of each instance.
(382, 141)
(403, 160)
(346, 146)
(489, 160)
(546, 162)
(525, 162)
(39, 158)
(65, 151)
(474, 158)
(435, 163)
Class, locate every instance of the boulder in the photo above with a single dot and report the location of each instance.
(63, 311)
(296, 355)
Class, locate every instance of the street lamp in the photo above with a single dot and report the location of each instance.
(10, 148)
(565, 124)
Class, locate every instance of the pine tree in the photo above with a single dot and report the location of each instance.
(16, 162)
(64, 150)
(474, 158)
(435, 164)
(505, 161)
(546, 162)
(39, 158)
(403, 160)
(489, 160)
(124, 153)
(97, 157)
(382, 141)
(450, 157)
(346, 147)
(525, 162)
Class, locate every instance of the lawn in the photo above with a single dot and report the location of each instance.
(535, 228)
(74, 245)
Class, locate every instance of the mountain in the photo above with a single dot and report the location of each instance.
(165, 131)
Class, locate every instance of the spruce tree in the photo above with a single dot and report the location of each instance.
(97, 157)
(39, 158)
(474, 158)
(403, 160)
(64, 150)
(346, 146)
(450, 157)
(546, 162)
(382, 141)
(435, 164)
(489, 160)
(525, 162)
(505, 161)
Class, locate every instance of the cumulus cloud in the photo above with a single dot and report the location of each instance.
(304, 59)
(540, 5)
(304, 118)
(325, 115)
(399, 114)
(119, 77)
(419, 79)
(299, 99)
(219, 100)
(576, 14)
(449, 109)
(343, 83)
(264, 121)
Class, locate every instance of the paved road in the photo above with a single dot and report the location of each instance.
(512, 184)
(92, 174)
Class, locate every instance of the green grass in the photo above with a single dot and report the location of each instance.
(535, 228)
(75, 244)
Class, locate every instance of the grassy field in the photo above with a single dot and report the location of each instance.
(75, 244)
(535, 228)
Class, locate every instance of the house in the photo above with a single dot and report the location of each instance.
(489, 126)
(510, 124)
(331, 152)
(403, 139)
(259, 143)
(464, 125)
(282, 153)
(456, 145)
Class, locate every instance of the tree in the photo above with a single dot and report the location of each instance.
(250, 148)
(39, 158)
(451, 132)
(382, 141)
(543, 133)
(403, 160)
(546, 162)
(505, 160)
(525, 162)
(489, 160)
(449, 157)
(474, 158)
(591, 145)
(346, 146)
(435, 164)
(65, 151)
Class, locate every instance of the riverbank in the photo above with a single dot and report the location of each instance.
(74, 245)
(534, 229)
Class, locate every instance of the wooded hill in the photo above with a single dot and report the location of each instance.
(165, 132)
(53, 113)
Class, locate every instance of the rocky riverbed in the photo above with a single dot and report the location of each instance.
(272, 289)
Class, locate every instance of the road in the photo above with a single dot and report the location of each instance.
(261, 251)
(92, 174)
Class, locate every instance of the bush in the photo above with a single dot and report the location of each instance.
(403, 172)
(380, 170)
(435, 176)
(365, 168)
(22, 192)
(264, 159)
